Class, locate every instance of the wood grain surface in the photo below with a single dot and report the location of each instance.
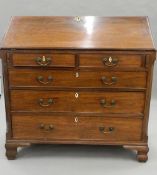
(87, 128)
(89, 33)
(80, 80)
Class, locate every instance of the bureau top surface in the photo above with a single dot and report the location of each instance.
(85, 32)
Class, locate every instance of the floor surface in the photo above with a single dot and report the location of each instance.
(77, 159)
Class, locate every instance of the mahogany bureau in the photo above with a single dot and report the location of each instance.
(78, 80)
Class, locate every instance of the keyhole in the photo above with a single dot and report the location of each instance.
(76, 119)
(76, 95)
(77, 74)
(110, 59)
(44, 59)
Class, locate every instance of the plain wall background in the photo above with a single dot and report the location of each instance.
(148, 8)
(76, 160)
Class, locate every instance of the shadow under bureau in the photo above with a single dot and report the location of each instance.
(78, 80)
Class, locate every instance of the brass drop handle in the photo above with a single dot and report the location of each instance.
(46, 127)
(49, 102)
(108, 82)
(43, 61)
(41, 80)
(110, 62)
(106, 104)
(106, 130)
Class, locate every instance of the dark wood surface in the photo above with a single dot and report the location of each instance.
(84, 128)
(60, 60)
(89, 33)
(60, 78)
(124, 60)
(66, 84)
(90, 60)
(85, 102)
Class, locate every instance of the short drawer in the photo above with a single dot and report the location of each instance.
(85, 79)
(46, 127)
(43, 60)
(112, 60)
(60, 101)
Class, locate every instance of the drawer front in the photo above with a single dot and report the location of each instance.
(112, 60)
(82, 128)
(43, 60)
(59, 101)
(99, 79)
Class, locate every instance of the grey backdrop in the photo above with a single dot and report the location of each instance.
(10, 8)
(76, 160)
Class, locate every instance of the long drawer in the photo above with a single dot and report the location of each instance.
(92, 79)
(84, 128)
(65, 101)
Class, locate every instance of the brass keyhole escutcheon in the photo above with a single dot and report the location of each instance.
(76, 95)
(76, 74)
(110, 62)
(110, 59)
(76, 120)
(43, 61)
(78, 18)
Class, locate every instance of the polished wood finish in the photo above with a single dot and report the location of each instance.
(78, 82)
(56, 60)
(66, 32)
(124, 60)
(73, 127)
(85, 102)
(11, 151)
(142, 152)
(98, 79)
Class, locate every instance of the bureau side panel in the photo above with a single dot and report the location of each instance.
(4, 56)
(150, 58)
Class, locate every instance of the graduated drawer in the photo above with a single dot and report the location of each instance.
(60, 101)
(46, 127)
(112, 60)
(92, 79)
(43, 60)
